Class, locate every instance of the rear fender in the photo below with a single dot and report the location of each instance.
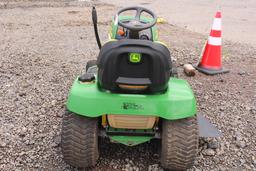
(176, 103)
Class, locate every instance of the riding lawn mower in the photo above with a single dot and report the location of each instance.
(132, 94)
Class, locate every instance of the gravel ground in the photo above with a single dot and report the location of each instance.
(44, 47)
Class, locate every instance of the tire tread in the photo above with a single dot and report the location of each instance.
(179, 143)
(79, 140)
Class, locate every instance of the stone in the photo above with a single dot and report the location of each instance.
(189, 70)
(208, 152)
(213, 144)
(241, 144)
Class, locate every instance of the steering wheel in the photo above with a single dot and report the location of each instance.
(135, 24)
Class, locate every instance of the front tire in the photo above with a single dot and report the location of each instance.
(179, 143)
(79, 140)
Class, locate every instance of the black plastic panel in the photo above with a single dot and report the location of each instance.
(113, 64)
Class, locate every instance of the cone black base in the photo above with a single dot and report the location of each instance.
(211, 71)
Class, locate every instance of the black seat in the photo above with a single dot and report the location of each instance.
(152, 68)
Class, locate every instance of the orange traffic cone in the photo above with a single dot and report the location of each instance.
(211, 59)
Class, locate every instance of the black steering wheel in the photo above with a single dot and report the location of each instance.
(135, 24)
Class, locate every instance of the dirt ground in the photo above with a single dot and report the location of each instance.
(44, 45)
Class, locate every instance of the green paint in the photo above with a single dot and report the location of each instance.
(130, 140)
(113, 29)
(176, 103)
(135, 57)
(155, 33)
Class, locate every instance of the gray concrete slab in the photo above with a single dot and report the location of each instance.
(239, 16)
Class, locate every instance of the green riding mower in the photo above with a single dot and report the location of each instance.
(131, 94)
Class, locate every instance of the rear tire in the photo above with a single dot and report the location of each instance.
(90, 63)
(179, 143)
(79, 140)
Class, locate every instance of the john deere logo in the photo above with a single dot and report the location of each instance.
(132, 106)
(135, 57)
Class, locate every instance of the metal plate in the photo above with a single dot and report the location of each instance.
(206, 128)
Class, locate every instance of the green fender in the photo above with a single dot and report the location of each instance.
(176, 103)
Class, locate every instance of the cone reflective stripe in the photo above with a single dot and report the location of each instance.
(215, 41)
(211, 60)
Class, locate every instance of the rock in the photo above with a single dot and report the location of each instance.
(196, 169)
(22, 153)
(242, 161)
(2, 144)
(222, 168)
(222, 108)
(135, 168)
(248, 108)
(128, 167)
(254, 162)
(189, 70)
(247, 167)
(242, 73)
(238, 136)
(241, 144)
(213, 144)
(22, 132)
(22, 94)
(56, 141)
(59, 114)
(53, 102)
(153, 167)
(206, 97)
(208, 152)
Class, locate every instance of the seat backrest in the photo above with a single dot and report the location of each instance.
(151, 67)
